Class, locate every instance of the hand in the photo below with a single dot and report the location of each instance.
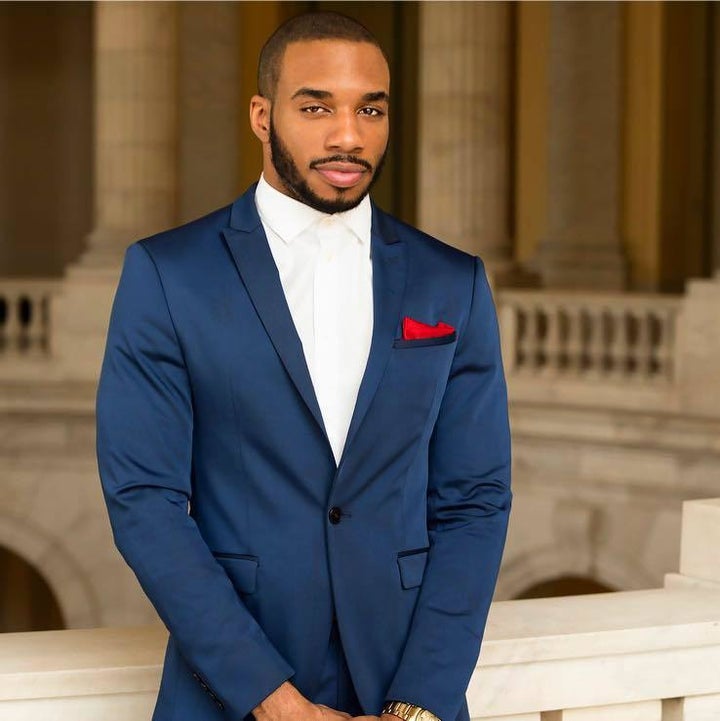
(286, 703)
(331, 714)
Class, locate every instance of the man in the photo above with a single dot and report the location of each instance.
(302, 423)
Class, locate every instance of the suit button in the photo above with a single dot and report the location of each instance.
(334, 515)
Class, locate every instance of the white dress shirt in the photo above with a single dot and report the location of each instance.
(326, 274)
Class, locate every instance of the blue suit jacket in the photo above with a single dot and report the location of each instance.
(219, 477)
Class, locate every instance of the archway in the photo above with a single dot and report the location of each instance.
(567, 585)
(27, 603)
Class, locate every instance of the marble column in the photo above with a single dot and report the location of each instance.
(135, 126)
(582, 245)
(464, 167)
(135, 170)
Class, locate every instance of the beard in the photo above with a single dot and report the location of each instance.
(298, 188)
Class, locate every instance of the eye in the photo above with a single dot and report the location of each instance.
(371, 112)
(313, 109)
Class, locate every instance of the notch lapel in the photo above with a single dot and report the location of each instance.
(389, 269)
(253, 258)
(252, 255)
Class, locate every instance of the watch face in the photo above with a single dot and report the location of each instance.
(425, 716)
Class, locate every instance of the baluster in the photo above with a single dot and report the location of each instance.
(534, 716)
(693, 708)
(521, 331)
(663, 351)
(508, 318)
(650, 710)
(619, 343)
(573, 340)
(644, 360)
(531, 336)
(3, 322)
(540, 316)
(12, 322)
(596, 342)
(35, 330)
(552, 340)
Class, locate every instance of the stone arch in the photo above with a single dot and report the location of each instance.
(574, 585)
(554, 561)
(66, 580)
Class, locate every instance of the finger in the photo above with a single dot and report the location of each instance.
(328, 711)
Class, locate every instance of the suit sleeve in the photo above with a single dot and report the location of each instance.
(144, 414)
(469, 501)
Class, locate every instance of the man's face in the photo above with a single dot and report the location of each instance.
(328, 123)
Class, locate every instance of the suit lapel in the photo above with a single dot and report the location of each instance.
(253, 257)
(388, 278)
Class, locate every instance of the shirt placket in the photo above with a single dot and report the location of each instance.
(328, 327)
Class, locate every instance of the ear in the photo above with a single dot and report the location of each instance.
(260, 117)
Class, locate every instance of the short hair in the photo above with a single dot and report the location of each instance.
(308, 26)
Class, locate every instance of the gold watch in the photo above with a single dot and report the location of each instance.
(408, 711)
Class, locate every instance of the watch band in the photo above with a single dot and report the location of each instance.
(408, 711)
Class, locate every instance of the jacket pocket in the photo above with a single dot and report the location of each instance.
(420, 342)
(240, 568)
(412, 566)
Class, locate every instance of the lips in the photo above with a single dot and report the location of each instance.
(341, 175)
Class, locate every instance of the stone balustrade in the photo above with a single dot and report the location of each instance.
(624, 351)
(617, 337)
(25, 317)
(648, 655)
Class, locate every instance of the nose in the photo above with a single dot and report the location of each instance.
(346, 134)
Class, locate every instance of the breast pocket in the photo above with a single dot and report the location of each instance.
(413, 377)
(423, 342)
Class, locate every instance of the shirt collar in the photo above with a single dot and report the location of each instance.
(288, 218)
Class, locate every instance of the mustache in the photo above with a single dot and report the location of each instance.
(342, 159)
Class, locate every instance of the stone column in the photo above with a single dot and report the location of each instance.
(582, 246)
(212, 105)
(715, 205)
(135, 170)
(135, 126)
(464, 167)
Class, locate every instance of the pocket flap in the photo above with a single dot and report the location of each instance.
(412, 568)
(242, 570)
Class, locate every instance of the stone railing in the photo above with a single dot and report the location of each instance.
(25, 317)
(649, 655)
(619, 337)
(621, 351)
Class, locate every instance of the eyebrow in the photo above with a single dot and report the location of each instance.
(376, 96)
(312, 93)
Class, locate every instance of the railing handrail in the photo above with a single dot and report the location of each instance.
(20, 284)
(589, 297)
(615, 628)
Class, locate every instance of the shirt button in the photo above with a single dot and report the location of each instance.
(334, 515)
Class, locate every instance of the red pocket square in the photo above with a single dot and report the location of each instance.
(414, 329)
